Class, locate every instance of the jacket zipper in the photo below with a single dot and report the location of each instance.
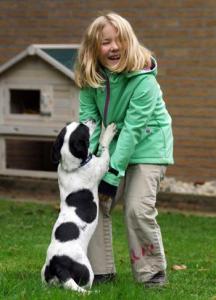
(107, 100)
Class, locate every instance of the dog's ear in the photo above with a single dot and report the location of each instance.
(79, 142)
(55, 154)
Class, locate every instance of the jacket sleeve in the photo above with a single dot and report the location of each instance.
(89, 111)
(140, 110)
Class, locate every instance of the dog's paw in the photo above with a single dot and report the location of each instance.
(108, 135)
(83, 291)
(95, 291)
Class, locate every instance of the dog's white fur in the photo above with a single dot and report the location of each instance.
(71, 178)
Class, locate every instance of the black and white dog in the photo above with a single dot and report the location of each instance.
(79, 174)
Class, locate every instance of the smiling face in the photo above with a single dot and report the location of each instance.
(109, 49)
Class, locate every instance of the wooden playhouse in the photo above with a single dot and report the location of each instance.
(38, 97)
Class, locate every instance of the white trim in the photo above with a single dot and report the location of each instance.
(29, 137)
(36, 50)
(27, 130)
(29, 173)
(2, 154)
(17, 116)
(13, 61)
(57, 46)
(54, 63)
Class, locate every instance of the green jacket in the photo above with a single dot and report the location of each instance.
(133, 101)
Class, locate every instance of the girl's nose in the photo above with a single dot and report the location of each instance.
(114, 46)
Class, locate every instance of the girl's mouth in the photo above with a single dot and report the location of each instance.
(114, 57)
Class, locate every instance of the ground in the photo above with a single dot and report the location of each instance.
(174, 195)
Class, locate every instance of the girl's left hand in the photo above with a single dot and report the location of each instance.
(105, 203)
(103, 197)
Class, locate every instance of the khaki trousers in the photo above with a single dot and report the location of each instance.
(138, 191)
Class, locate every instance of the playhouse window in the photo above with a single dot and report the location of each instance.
(29, 155)
(24, 101)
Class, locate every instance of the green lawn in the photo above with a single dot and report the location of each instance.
(25, 230)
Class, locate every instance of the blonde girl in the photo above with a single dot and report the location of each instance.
(117, 80)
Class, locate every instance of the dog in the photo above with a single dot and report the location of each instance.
(79, 173)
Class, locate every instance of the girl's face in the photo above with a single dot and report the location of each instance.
(109, 50)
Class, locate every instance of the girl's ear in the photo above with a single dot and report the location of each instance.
(56, 148)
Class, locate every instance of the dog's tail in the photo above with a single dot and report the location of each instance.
(68, 273)
(47, 278)
(72, 285)
(64, 276)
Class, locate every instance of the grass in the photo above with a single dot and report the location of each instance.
(25, 233)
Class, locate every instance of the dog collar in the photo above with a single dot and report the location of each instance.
(83, 163)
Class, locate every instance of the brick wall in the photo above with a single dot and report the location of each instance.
(182, 35)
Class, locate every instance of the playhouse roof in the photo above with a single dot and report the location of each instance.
(60, 56)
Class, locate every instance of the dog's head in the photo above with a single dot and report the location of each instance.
(71, 146)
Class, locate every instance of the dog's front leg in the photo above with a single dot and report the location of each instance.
(103, 160)
(108, 135)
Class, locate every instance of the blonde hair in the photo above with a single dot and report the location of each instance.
(133, 55)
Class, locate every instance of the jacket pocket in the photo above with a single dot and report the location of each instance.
(154, 142)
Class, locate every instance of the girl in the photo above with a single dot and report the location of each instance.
(116, 75)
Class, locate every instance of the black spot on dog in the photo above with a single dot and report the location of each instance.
(86, 209)
(66, 232)
(79, 142)
(56, 154)
(47, 275)
(64, 268)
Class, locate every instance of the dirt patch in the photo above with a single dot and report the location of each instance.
(27, 189)
(46, 191)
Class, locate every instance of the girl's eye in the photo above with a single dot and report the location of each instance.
(105, 43)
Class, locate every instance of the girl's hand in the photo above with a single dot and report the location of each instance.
(105, 203)
(103, 197)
